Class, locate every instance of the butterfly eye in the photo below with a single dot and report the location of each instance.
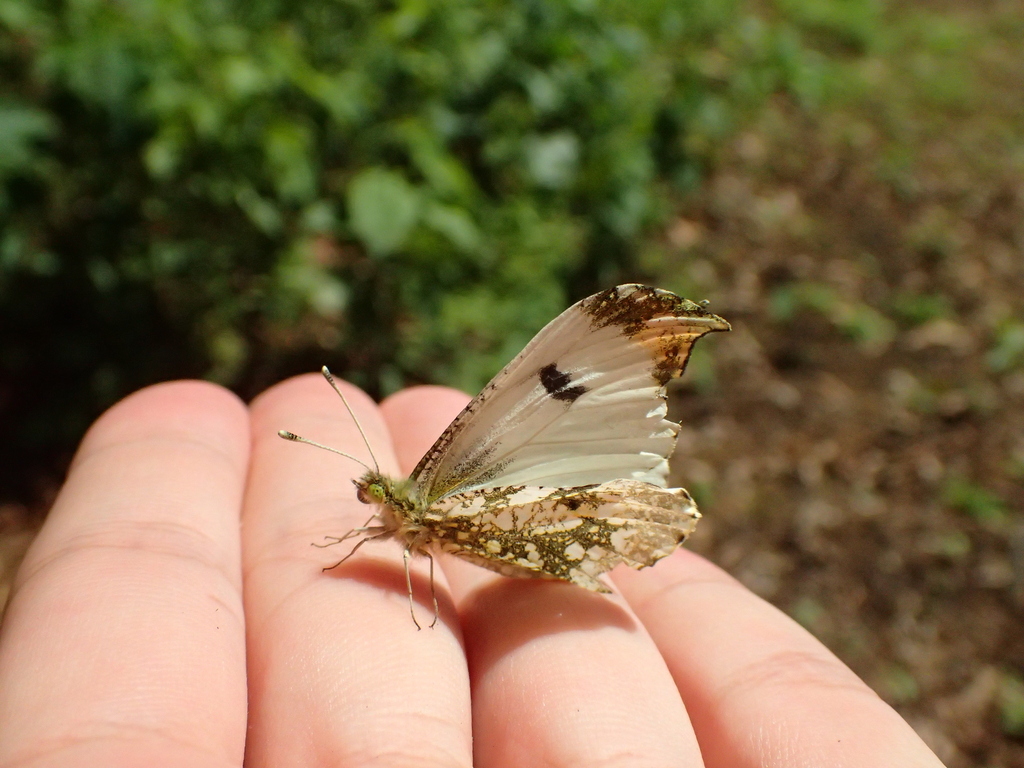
(371, 494)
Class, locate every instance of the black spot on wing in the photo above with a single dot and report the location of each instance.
(558, 384)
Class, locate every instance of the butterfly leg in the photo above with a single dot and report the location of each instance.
(357, 546)
(433, 590)
(332, 540)
(408, 585)
(329, 541)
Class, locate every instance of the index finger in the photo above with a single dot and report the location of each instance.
(123, 643)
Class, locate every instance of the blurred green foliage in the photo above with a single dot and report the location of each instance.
(978, 502)
(868, 327)
(406, 190)
(900, 684)
(1007, 353)
(1011, 704)
(917, 309)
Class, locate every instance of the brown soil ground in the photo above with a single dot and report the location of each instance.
(858, 442)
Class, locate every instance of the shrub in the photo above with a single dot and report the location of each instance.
(405, 190)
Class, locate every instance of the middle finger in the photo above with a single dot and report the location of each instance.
(338, 673)
(560, 676)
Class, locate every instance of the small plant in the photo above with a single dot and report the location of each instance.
(978, 502)
(867, 327)
(1011, 704)
(1007, 353)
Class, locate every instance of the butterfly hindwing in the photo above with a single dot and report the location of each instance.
(582, 404)
(573, 534)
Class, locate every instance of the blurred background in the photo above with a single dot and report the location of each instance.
(409, 190)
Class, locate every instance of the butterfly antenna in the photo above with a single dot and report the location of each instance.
(330, 380)
(295, 438)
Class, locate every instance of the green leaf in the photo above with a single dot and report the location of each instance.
(261, 212)
(978, 502)
(455, 224)
(20, 128)
(163, 153)
(1011, 705)
(383, 208)
(900, 684)
(1008, 351)
(552, 159)
(288, 149)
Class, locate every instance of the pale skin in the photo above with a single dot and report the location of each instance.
(148, 627)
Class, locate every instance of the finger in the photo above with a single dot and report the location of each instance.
(338, 672)
(560, 676)
(762, 691)
(123, 643)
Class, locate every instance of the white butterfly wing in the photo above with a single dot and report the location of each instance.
(582, 404)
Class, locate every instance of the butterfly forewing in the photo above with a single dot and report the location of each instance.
(574, 534)
(583, 403)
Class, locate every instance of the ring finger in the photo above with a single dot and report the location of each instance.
(560, 676)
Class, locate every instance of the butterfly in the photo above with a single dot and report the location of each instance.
(558, 468)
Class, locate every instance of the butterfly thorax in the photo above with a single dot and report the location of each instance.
(400, 512)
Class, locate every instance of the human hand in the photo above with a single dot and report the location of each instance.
(124, 642)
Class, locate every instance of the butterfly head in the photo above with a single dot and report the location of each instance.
(377, 488)
(373, 488)
(397, 510)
